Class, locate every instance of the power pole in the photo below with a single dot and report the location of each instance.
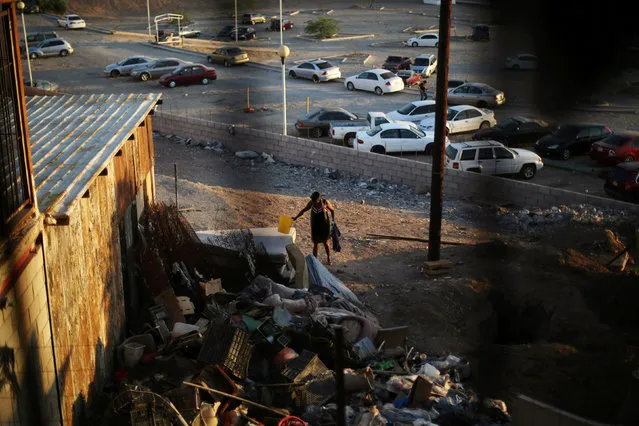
(439, 150)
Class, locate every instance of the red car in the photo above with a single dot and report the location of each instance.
(623, 181)
(616, 148)
(189, 74)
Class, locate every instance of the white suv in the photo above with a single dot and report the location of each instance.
(492, 158)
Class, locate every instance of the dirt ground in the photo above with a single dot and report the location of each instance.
(536, 314)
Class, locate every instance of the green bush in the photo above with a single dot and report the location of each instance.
(186, 18)
(55, 6)
(323, 27)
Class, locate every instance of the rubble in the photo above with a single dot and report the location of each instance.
(248, 349)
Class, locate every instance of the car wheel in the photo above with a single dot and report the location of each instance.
(197, 35)
(315, 79)
(209, 59)
(172, 84)
(145, 76)
(515, 67)
(205, 81)
(565, 154)
(437, 44)
(482, 104)
(227, 64)
(378, 149)
(252, 22)
(528, 171)
(64, 52)
(33, 55)
(283, 28)
(349, 139)
(415, 44)
(315, 132)
(350, 86)
(484, 125)
(292, 74)
(115, 73)
(628, 158)
(429, 149)
(379, 91)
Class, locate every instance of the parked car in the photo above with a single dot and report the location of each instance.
(571, 139)
(49, 86)
(616, 148)
(187, 32)
(316, 124)
(125, 66)
(37, 38)
(394, 137)
(253, 18)
(228, 56)
(243, 33)
(414, 111)
(225, 32)
(479, 94)
(492, 158)
(396, 63)
(156, 68)
(346, 130)
(319, 70)
(481, 32)
(462, 119)
(455, 83)
(189, 74)
(51, 47)
(287, 24)
(425, 64)
(405, 75)
(516, 131)
(377, 80)
(72, 22)
(623, 181)
(424, 40)
(521, 61)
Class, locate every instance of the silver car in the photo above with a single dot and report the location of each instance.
(51, 47)
(317, 71)
(125, 66)
(156, 68)
(479, 94)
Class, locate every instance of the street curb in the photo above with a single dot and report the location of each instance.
(556, 164)
(356, 37)
(612, 109)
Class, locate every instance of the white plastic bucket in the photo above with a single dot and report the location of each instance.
(132, 354)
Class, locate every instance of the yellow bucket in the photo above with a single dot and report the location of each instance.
(285, 225)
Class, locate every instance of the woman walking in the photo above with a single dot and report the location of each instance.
(320, 222)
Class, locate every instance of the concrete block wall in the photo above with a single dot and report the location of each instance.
(26, 350)
(457, 184)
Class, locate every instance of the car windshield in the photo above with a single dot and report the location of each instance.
(387, 75)
(567, 131)
(616, 140)
(509, 123)
(417, 130)
(406, 109)
(74, 18)
(394, 59)
(177, 70)
(123, 61)
(235, 51)
(451, 152)
(323, 65)
(421, 61)
(375, 130)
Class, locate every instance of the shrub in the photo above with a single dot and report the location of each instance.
(323, 27)
(55, 6)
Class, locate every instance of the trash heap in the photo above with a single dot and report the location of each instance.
(219, 341)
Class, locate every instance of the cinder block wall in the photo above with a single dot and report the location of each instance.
(457, 184)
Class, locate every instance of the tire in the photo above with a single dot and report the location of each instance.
(64, 53)
(292, 75)
(227, 64)
(349, 139)
(429, 149)
(205, 81)
(528, 171)
(415, 44)
(482, 104)
(379, 91)
(437, 44)
(315, 79)
(145, 76)
(33, 55)
(565, 154)
(474, 170)
(628, 159)
(197, 35)
(252, 22)
(377, 149)
(350, 86)
(172, 84)
(209, 59)
(484, 125)
(515, 67)
(315, 132)
(283, 28)
(115, 73)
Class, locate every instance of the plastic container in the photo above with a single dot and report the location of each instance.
(132, 354)
(285, 225)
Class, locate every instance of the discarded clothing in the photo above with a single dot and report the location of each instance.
(335, 234)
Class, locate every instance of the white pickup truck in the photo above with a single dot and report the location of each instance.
(71, 22)
(345, 130)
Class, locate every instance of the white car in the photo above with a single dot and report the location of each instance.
(522, 61)
(317, 71)
(424, 40)
(378, 80)
(461, 119)
(72, 22)
(414, 111)
(492, 158)
(425, 64)
(395, 137)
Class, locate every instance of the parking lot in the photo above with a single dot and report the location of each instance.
(225, 99)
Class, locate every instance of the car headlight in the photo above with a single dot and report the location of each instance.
(553, 147)
(538, 159)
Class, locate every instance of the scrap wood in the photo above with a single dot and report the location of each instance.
(422, 240)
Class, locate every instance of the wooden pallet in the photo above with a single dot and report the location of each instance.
(434, 268)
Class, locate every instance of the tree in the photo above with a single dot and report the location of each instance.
(323, 27)
(55, 6)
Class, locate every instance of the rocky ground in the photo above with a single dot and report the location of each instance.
(529, 299)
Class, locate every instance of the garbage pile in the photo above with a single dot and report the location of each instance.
(222, 342)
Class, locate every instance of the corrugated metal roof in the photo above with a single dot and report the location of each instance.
(73, 138)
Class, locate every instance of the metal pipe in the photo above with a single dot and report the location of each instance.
(437, 177)
(26, 46)
(281, 27)
(148, 17)
(339, 376)
(176, 185)
(236, 28)
(282, 413)
(284, 95)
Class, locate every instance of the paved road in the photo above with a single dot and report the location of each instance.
(224, 99)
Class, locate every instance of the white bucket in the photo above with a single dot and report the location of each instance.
(132, 354)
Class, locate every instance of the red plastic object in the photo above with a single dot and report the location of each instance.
(121, 374)
(292, 421)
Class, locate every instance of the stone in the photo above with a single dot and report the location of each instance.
(246, 154)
